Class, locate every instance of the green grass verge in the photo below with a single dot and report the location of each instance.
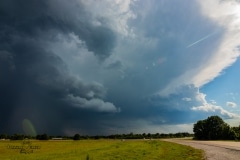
(98, 150)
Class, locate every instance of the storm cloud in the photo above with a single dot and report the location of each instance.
(111, 67)
(35, 80)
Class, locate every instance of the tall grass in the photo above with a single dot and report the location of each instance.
(102, 150)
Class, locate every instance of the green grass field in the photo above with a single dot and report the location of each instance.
(97, 150)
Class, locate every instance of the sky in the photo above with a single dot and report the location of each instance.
(117, 66)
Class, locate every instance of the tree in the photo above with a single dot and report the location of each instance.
(199, 130)
(42, 137)
(76, 137)
(236, 131)
(212, 128)
(17, 137)
(3, 136)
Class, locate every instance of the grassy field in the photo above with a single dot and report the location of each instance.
(97, 150)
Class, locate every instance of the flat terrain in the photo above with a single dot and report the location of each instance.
(97, 150)
(214, 150)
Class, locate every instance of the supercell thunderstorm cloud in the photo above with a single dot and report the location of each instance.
(107, 67)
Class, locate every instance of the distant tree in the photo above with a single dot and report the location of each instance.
(42, 137)
(212, 128)
(157, 135)
(17, 137)
(76, 137)
(149, 135)
(236, 131)
(144, 135)
(3, 136)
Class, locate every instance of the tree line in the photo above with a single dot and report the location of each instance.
(113, 136)
(214, 128)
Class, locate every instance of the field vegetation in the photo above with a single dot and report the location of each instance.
(102, 149)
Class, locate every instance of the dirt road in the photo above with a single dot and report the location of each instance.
(214, 150)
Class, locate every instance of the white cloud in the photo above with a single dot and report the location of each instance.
(231, 104)
(95, 104)
(215, 109)
(210, 107)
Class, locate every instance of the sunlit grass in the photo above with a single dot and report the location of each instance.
(101, 150)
